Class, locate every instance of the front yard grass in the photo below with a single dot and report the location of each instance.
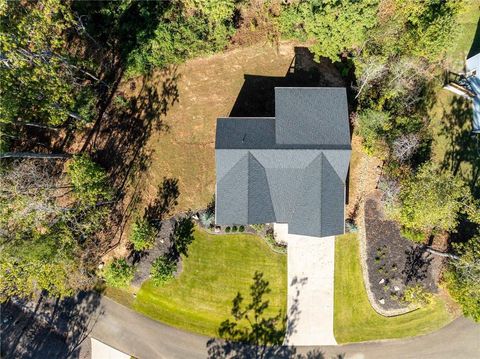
(217, 267)
(354, 318)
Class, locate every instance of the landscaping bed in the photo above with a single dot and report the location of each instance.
(395, 263)
(354, 318)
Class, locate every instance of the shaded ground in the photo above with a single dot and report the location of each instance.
(49, 328)
(356, 320)
(395, 262)
(453, 145)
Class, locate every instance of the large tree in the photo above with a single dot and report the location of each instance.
(47, 231)
(463, 277)
(431, 200)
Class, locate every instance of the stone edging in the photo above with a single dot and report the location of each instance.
(366, 279)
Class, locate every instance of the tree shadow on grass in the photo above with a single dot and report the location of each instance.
(251, 333)
(462, 147)
(164, 202)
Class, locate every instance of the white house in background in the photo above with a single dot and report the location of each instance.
(468, 85)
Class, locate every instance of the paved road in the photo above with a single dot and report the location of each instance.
(144, 338)
(130, 332)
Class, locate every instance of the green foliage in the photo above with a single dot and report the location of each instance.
(227, 229)
(336, 27)
(182, 235)
(118, 273)
(241, 229)
(413, 235)
(417, 295)
(162, 270)
(258, 227)
(430, 200)
(372, 127)
(185, 29)
(35, 85)
(462, 277)
(234, 228)
(88, 180)
(142, 235)
(43, 242)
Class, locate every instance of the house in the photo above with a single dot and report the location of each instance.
(290, 168)
(468, 85)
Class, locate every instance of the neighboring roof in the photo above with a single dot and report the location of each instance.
(262, 181)
(473, 73)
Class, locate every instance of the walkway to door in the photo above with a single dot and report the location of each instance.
(311, 262)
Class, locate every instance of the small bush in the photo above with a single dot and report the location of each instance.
(206, 219)
(162, 270)
(258, 227)
(118, 273)
(417, 295)
(227, 229)
(142, 235)
(413, 235)
(241, 229)
(234, 228)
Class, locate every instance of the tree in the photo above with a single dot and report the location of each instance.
(39, 79)
(430, 200)
(336, 27)
(405, 146)
(142, 235)
(372, 126)
(88, 180)
(463, 277)
(182, 235)
(162, 270)
(118, 273)
(47, 237)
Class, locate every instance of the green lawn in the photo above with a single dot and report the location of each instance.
(218, 266)
(452, 145)
(355, 319)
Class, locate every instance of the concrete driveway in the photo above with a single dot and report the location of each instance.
(311, 262)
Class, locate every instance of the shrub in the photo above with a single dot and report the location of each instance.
(142, 235)
(413, 235)
(227, 229)
(234, 228)
(258, 227)
(118, 273)
(162, 270)
(461, 277)
(417, 295)
(241, 229)
(206, 219)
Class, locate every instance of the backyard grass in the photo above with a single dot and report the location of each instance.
(207, 89)
(453, 146)
(354, 318)
(217, 267)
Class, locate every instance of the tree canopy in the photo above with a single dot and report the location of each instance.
(463, 277)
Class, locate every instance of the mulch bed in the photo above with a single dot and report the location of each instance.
(395, 262)
(143, 260)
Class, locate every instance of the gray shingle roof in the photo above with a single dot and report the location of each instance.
(301, 183)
